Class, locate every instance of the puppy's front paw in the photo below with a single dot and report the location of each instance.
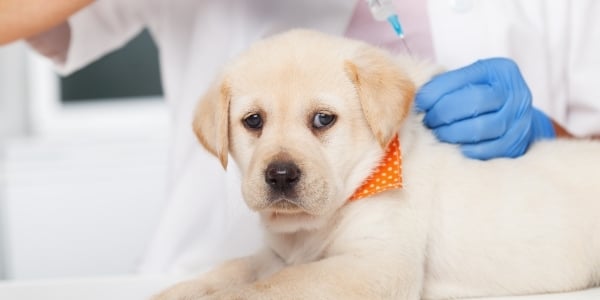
(187, 290)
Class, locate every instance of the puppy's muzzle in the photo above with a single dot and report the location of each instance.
(282, 176)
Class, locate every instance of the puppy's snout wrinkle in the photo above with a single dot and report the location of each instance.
(282, 176)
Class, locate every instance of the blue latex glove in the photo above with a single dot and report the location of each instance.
(484, 107)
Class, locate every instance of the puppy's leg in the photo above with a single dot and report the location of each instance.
(331, 278)
(230, 274)
(378, 252)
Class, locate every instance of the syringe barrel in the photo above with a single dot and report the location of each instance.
(381, 9)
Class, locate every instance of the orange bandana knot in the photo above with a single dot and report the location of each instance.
(386, 176)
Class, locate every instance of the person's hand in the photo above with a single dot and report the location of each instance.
(486, 108)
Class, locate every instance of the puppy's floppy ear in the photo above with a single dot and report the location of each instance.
(211, 120)
(386, 93)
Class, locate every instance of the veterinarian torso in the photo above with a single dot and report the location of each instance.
(554, 42)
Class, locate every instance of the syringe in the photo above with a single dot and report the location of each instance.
(384, 10)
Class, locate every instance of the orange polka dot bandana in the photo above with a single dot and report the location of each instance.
(386, 176)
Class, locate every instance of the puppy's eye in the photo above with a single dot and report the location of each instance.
(253, 121)
(322, 120)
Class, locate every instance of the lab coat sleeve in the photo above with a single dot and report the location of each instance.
(583, 68)
(100, 28)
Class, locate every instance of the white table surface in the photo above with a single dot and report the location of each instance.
(141, 288)
(103, 288)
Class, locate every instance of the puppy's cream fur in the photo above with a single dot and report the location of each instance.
(459, 227)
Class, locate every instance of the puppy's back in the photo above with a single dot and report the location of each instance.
(517, 226)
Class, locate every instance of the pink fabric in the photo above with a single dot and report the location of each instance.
(415, 22)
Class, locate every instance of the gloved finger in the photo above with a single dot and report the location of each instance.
(448, 82)
(473, 130)
(512, 144)
(470, 101)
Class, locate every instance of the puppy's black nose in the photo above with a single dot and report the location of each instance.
(282, 176)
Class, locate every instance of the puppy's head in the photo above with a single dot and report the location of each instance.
(305, 116)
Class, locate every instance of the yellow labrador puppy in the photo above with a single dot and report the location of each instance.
(308, 117)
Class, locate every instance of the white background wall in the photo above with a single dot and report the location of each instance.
(13, 90)
(81, 187)
(12, 118)
(82, 206)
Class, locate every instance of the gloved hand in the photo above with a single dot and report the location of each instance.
(486, 108)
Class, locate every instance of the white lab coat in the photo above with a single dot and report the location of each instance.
(555, 43)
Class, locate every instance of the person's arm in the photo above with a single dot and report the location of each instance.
(561, 132)
(73, 33)
(27, 18)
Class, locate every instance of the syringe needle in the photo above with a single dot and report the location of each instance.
(406, 46)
